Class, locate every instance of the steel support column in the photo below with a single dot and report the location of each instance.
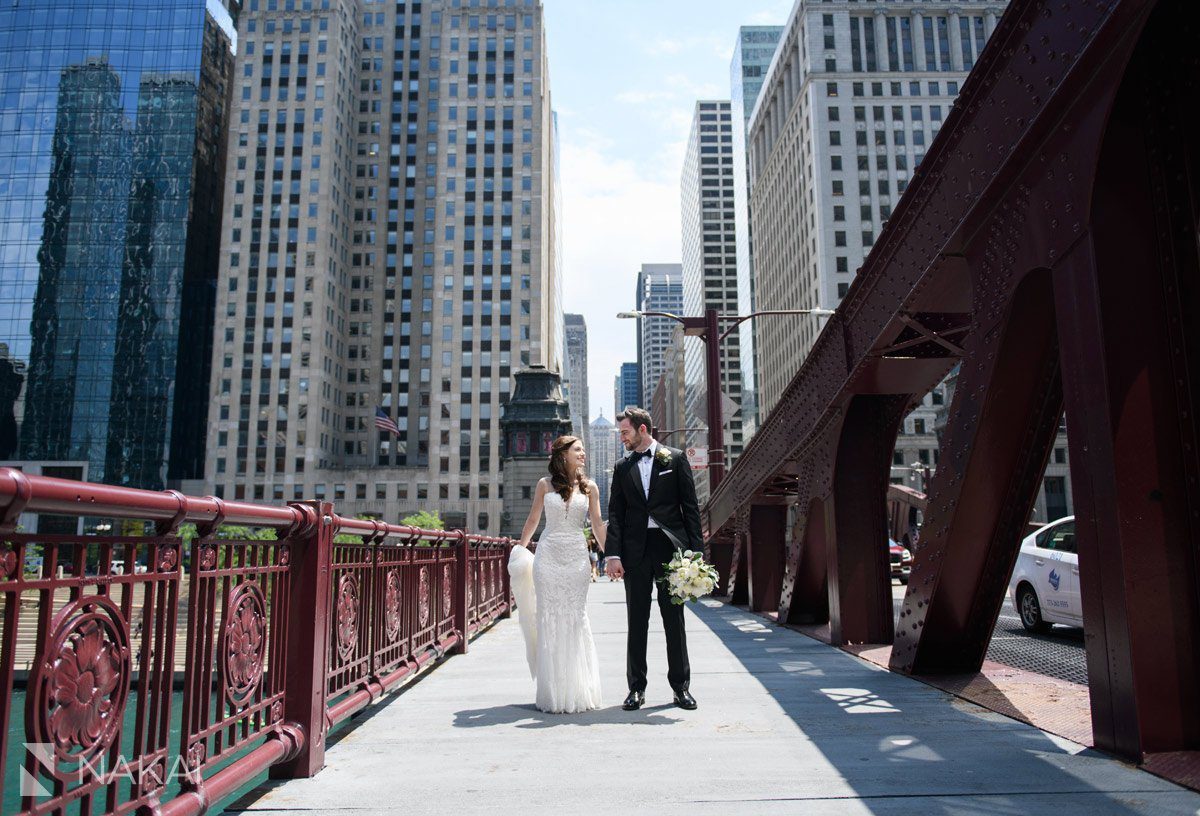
(1128, 304)
(1003, 419)
(765, 540)
(805, 595)
(739, 578)
(860, 597)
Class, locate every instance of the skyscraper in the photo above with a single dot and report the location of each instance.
(710, 266)
(852, 100)
(393, 243)
(627, 388)
(659, 289)
(602, 455)
(114, 149)
(752, 53)
(575, 374)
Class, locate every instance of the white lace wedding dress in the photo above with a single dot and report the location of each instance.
(560, 646)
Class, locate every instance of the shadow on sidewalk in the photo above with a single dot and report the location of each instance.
(528, 716)
(895, 740)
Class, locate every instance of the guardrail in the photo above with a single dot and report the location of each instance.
(279, 638)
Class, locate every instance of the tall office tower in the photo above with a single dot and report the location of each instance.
(668, 406)
(659, 289)
(627, 388)
(575, 375)
(392, 250)
(114, 134)
(853, 97)
(752, 53)
(602, 455)
(710, 267)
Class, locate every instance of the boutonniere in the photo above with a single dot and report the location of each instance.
(663, 456)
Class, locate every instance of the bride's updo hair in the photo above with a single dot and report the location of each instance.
(559, 477)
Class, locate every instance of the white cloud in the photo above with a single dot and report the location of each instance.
(616, 217)
(778, 15)
(644, 97)
(664, 47)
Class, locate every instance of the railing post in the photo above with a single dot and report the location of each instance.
(308, 623)
(462, 574)
(506, 580)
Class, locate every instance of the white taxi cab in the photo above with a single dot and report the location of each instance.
(1045, 581)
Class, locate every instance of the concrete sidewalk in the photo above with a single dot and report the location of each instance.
(785, 725)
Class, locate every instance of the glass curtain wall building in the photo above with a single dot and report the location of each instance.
(112, 150)
(627, 387)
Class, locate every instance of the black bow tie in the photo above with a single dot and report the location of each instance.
(639, 454)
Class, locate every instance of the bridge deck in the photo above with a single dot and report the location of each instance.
(785, 725)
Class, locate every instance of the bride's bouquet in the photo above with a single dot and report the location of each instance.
(689, 577)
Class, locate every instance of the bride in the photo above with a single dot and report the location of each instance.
(558, 637)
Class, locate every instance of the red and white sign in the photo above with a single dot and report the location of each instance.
(697, 458)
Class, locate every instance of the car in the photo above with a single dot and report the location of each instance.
(901, 561)
(1045, 582)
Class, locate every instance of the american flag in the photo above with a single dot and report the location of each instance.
(384, 422)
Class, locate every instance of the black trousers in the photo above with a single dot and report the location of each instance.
(640, 578)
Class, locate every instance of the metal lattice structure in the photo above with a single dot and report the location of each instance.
(1048, 246)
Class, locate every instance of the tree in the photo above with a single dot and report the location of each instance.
(425, 520)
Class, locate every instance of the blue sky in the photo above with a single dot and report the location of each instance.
(624, 78)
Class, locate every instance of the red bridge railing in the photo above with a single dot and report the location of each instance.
(277, 635)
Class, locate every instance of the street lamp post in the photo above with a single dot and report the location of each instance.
(708, 329)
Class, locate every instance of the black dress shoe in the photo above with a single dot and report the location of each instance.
(685, 700)
(635, 700)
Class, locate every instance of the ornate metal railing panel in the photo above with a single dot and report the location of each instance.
(262, 632)
(236, 647)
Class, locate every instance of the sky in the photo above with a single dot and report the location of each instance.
(624, 78)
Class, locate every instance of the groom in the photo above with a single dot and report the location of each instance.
(652, 512)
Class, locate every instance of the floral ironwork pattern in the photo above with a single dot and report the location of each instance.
(423, 597)
(80, 683)
(196, 754)
(168, 558)
(8, 563)
(391, 603)
(244, 641)
(447, 585)
(347, 617)
(154, 776)
(208, 557)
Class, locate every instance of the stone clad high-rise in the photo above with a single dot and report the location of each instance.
(659, 289)
(393, 243)
(710, 270)
(854, 96)
(575, 374)
(752, 53)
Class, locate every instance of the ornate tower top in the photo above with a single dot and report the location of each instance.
(536, 415)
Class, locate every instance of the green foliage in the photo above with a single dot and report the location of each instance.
(425, 520)
(247, 533)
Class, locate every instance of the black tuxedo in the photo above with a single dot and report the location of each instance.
(672, 504)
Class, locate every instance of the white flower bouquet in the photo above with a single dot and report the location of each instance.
(689, 577)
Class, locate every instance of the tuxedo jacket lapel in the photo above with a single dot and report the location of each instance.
(635, 478)
(655, 467)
